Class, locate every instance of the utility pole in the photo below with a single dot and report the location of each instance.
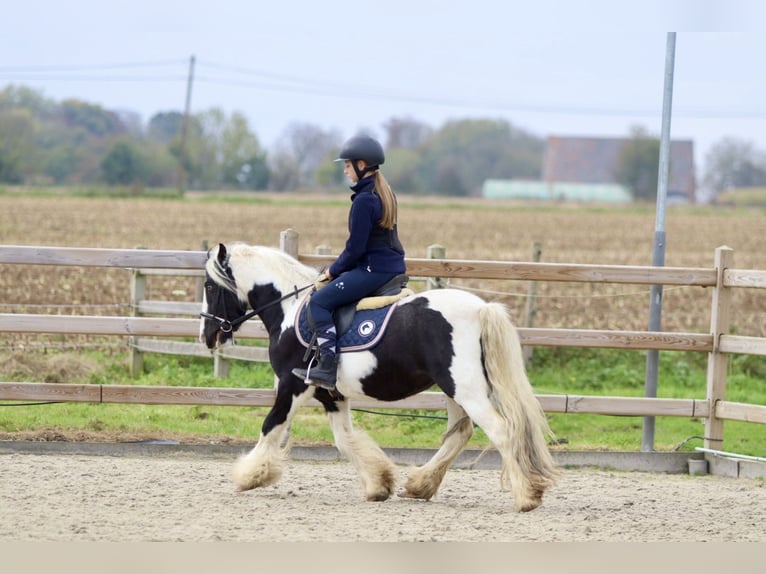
(658, 255)
(185, 130)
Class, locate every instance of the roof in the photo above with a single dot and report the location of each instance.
(594, 160)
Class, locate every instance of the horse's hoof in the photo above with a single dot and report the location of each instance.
(408, 494)
(378, 497)
(530, 505)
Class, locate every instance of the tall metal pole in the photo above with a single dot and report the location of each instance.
(658, 255)
(185, 130)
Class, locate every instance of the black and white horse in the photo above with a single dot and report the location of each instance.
(446, 338)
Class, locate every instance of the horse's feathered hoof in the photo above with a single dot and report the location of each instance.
(408, 494)
(378, 497)
(532, 503)
(530, 506)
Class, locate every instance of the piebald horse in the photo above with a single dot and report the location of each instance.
(445, 338)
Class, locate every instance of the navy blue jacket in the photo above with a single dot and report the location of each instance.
(369, 245)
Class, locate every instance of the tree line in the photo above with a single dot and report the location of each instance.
(73, 142)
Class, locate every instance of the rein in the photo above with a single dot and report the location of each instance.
(227, 326)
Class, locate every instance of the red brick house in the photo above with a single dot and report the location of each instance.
(594, 160)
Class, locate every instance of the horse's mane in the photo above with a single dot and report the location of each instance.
(260, 265)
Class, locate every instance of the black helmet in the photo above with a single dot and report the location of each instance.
(362, 147)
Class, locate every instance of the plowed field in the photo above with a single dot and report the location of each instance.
(469, 229)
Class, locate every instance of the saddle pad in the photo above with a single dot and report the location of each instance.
(365, 332)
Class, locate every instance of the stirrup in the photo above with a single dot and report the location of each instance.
(322, 384)
(326, 368)
(303, 374)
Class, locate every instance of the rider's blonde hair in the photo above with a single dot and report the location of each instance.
(388, 199)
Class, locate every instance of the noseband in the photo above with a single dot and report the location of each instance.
(227, 326)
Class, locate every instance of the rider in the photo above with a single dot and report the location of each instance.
(373, 254)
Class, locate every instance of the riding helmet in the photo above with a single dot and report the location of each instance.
(362, 147)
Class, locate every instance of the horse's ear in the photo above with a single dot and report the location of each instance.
(221, 253)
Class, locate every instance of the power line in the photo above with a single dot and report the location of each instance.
(275, 82)
(264, 80)
(137, 79)
(90, 72)
(82, 67)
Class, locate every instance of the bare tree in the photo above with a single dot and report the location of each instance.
(733, 162)
(406, 133)
(298, 155)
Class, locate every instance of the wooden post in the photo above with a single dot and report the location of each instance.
(530, 310)
(137, 294)
(220, 366)
(288, 242)
(717, 363)
(436, 252)
(200, 284)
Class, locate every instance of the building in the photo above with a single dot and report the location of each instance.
(555, 191)
(594, 160)
(584, 169)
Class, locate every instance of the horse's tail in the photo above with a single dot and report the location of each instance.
(513, 397)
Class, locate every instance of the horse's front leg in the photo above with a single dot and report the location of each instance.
(264, 464)
(375, 469)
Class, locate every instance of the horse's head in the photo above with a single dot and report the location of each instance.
(221, 305)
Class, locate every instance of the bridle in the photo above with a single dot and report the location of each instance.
(226, 326)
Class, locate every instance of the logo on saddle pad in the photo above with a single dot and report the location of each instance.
(365, 331)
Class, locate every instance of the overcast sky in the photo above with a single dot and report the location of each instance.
(588, 68)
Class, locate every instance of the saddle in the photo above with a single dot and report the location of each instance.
(383, 296)
(371, 312)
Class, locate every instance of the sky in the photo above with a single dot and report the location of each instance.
(549, 67)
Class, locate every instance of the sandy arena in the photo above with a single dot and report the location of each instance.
(65, 497)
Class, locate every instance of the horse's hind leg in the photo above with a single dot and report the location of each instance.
(424, 481)
(375, 469)
(527, 496)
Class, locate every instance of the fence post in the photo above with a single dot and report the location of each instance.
(137, 294)
(436, 252)
(530, 311)
(220, 364)
(200, 284)
(717, 363)
(288, 242)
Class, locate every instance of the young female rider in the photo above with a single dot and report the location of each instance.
(373, 254)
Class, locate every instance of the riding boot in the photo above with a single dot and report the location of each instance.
(324, 374)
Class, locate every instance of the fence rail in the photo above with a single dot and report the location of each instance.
(718, 343)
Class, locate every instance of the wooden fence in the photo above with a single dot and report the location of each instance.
(718, 343)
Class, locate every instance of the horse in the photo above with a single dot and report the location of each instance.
(445, 338)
